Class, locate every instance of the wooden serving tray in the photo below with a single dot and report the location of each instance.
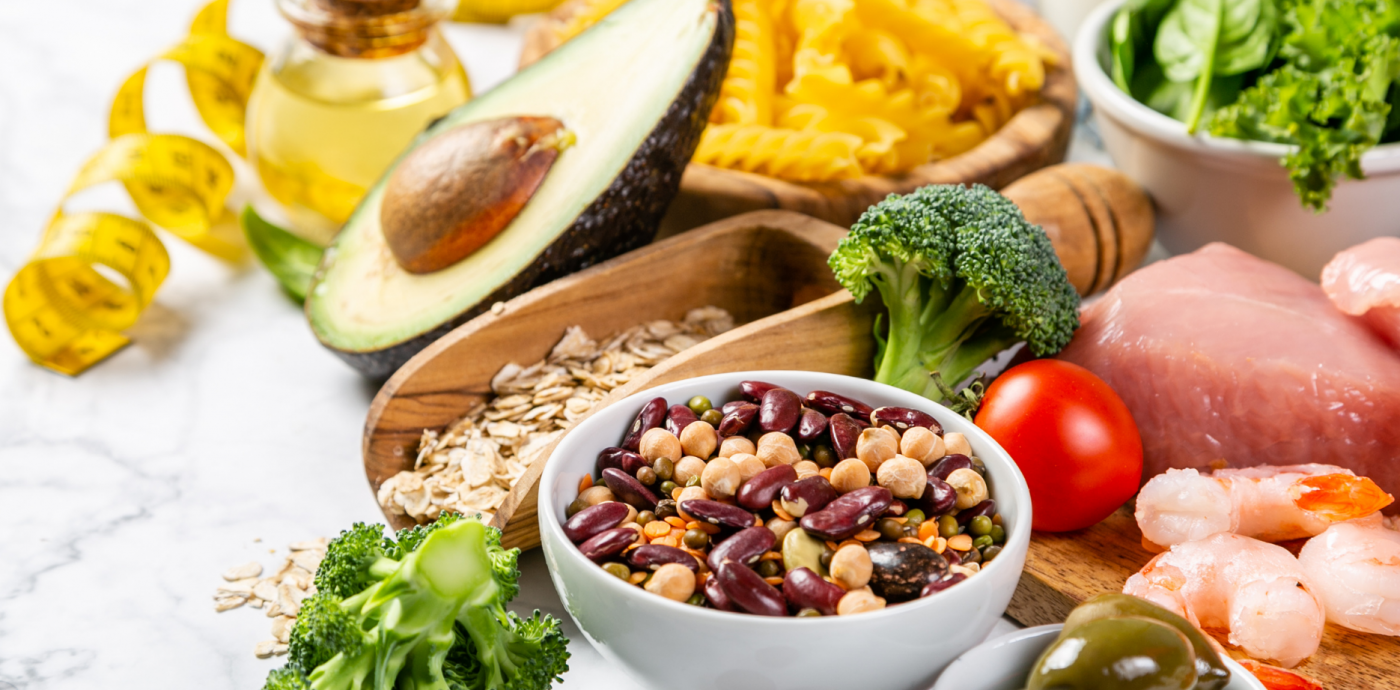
(1036, 137)
(1064, 569)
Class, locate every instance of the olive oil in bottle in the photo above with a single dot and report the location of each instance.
(344, 98)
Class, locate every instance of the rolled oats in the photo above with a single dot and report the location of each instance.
(279, 595)
(470, 466)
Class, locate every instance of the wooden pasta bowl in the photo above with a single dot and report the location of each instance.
(768, 268)
(1035, 137)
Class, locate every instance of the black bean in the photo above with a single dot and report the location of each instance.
(900, 570)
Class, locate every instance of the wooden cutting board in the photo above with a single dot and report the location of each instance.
(1064, 569)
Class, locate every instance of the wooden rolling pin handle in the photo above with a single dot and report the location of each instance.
(1100, 222)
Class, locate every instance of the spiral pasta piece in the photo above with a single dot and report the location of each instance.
(802, 156)
(1015, 66)
(746, 95)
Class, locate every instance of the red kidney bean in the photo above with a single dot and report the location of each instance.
(779, 410)
(950, 464)
(587, 523)
(732, 405)
(805, 589)
(653, 556)
(678, 418)
(652, 415)
(829, 403)
(747, 590)
(737, 421)
(605, 545)
(896, 509)
(744, 547)
(758, 492)
(717, 513)
(987, 507)
(939, 585)
(753, 390)
(938, 497)
(628, 489)
(714, 593)
(807, 495)
(902, 418)
(844, 517)
(844, 435)
(620, 458)
(810, 426)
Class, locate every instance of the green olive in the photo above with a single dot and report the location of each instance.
(990, 552)
(696, 539)
(667, 487)
(768, 568)
(998, 534)
(982, 542)
(712, 417)
(947, 527)
(693, 481)
(823, 455)
(1210, 670)
(699, 404)
(980, 525)
(573, 508)
(696, 599)
(644, 517)
(914, 518)
(809, 613)
(618, 571)
(889, 528)
(646, 475)
(664, 468)
(1117, 654)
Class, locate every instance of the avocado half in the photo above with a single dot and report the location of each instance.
(634, 91)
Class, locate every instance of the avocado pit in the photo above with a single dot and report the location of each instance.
(460, 189)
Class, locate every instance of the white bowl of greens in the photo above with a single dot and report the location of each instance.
(1229, 181)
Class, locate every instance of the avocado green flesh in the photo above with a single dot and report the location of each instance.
(609, 86)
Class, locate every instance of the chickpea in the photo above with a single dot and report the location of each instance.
(631, 516)
(736, 445)
(673, 581)
(971, 488)
(967, 570)
(720, 478)
(956, 443)
(904, 477)
(660, 443)
(851, 567)
(876, 446)
(848, 475)
(699, 439)
(780, 528)
(749, 466)
(692, 493)
(922, 445)
(689, 466)
(596, 494)
(859, 601)
(806, 469)
(777, 448)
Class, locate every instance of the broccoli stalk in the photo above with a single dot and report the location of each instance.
(963, 276)
(432, 617)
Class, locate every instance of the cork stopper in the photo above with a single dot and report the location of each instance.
(365, 28)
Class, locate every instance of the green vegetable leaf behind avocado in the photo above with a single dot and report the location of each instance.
(291, 259)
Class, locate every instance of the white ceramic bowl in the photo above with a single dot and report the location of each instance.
(1211, 189)
(665, 644)
(1004, 663)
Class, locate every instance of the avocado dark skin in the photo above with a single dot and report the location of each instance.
(622, 218)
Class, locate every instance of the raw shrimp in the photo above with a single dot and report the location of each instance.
(1268, 503)
(1356, 568)
(1255, 592)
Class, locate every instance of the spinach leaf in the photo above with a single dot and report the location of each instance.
(1201, 39)
(1130, 36)
(290, 259)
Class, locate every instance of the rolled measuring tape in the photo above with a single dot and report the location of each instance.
(61, 309)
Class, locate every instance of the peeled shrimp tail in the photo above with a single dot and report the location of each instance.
(1339, 497)
(1275, 678)
(1260, 609)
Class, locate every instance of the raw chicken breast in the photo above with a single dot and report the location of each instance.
(1365, 281)
(1222, 356)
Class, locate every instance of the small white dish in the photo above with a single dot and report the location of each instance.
(665, 644)
(1005, 662)
(1209, 189)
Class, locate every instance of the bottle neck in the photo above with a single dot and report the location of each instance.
(364, 28)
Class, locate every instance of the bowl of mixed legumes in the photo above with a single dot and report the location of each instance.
(782, 529)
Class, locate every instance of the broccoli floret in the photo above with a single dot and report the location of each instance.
(433, 620)
(964, 277)
(287, 678)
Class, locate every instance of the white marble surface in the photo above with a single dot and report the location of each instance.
(224, 431)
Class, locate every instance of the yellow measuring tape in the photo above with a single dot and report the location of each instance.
(60, 307)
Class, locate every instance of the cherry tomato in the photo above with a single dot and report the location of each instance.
(1071, 435)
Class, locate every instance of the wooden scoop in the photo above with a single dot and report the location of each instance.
(768, 268)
